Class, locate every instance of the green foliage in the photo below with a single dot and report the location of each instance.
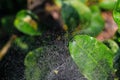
(33, 72)
(21, 44)
(26, 22)
(102, 4)
(112, 45)
(28, 43)
(97, 23)
(107, 4)
(93, 58)
(83, 11)
(83, 17)
(41, 63)
(77, 15)
(84, 1)
(70, 18)
(116, 14)
(117, 63)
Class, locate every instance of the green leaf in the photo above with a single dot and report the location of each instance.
(83, 11)
(84, 1)
(77, 15)
(107, 4)
(26, 22)
(112, 45)
(93, 58)
(97, 23)
(32, 70)
(70, 18)
(79, 19)
(116, 14)
(27, 43)
(21, 44)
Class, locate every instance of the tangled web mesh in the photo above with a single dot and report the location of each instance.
(56, 59)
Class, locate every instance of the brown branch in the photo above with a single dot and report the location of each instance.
(4, 50)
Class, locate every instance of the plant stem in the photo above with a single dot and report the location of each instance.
(6, 47)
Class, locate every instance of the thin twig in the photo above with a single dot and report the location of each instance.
(6, 47)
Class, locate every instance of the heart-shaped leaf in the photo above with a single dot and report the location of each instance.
(93, 58)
